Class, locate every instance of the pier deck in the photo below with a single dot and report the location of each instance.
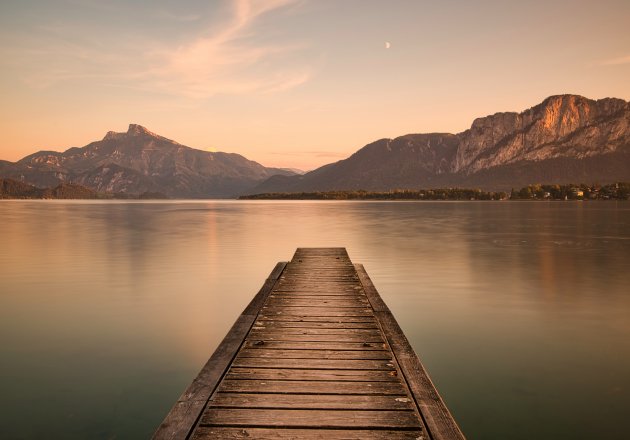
(316, 354)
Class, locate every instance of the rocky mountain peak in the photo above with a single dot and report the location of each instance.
(573, 111)
(112, 135)
(566, 138)
(137, 161)
(541, 132)
(136, 129)
(563, 114)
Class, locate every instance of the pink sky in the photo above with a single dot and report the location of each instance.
(293, 83)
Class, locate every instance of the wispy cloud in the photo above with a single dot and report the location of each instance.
(229, 58)
(616, 61)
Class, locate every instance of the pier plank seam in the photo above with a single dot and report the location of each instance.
(323, 358)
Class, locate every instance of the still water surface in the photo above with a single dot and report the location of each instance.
(519, 311)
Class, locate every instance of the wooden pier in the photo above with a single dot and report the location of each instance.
(316, 355)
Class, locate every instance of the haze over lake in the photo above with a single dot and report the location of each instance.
(520, 311)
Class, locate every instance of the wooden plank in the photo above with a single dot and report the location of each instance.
(286, 296)
(328, 276)
(304, 318)
(337, 295)
(318, 282)
(342, 276)
(324, 364)
(314, 290)
(310, 401)
(341, 289)
(311, 272)
(346, 287)
(263, 335)
(302, 345)
(229, 433)
(310, 302)
(323, 325)
(315, 331)
(315, 274)
(318, 387)
(316, 311)
(440, 423)
(237, 373)
(181, 419)
(291, 305)
(293, 279)
(293, 308)
(314, 354)
(314, 418)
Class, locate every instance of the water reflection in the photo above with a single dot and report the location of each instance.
(520, 311)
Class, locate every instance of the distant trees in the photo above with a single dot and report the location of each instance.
(397, 194)
(613, 191)
(13, 189)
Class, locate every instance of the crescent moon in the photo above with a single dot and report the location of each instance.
(387, 45)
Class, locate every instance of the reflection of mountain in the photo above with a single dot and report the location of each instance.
(564, 139)
(138, 161)
(12, 189)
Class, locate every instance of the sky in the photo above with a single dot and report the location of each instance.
(293, 83)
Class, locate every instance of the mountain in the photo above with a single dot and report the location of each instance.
(566, 138)
(293, 170)
(140, 161)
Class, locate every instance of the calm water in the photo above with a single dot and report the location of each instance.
(520, 311)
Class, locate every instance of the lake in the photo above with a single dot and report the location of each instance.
(520, 311)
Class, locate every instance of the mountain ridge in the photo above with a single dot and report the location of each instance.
(565, 138)
(139, 161)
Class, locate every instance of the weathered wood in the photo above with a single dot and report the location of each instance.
(316, 291)
(323, 276)
(316, 311)
(316, 324)
(306, 345)
(303, 318)
(268, 335)
(316, 354)
(315, 300)
(310, 401)
(207, 433)
(236, 373)
(315, 331)
(265, 336)
(314, 418)
(331, 288)
(262, 353)
(315, 364)
(319, 387)
(294, 302)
